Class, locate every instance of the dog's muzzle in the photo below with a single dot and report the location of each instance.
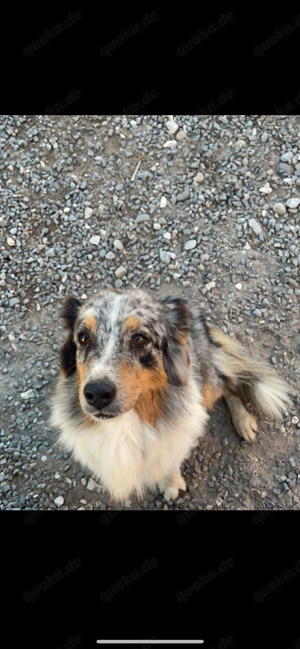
(99, 396)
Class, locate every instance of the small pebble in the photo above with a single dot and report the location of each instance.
(170, 144)
(95, 240)
(59, 501)
(120, 272)
(165, 257)
(286, 156)
(279, 208)
(172, 126)
(27, 395)
(93, 486)
(190, 245)
(266, 189)
(293, 202)
(255, 226)
(182, 196)
(142, 217)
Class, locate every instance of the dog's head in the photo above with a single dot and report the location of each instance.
(126, 348)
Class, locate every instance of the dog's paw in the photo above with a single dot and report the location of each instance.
(246, 426)
(170, 486)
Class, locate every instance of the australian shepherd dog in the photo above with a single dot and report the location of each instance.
(138, 376)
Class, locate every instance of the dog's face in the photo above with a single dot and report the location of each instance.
(126, 348)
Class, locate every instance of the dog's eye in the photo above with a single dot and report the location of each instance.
(138, 340)
(83, 338)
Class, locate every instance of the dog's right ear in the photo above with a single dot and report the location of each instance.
(68, 351)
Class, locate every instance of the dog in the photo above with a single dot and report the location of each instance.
(138, 377)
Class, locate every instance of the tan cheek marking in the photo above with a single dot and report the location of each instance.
(91, 323)
(145, 388)
(209, 396)
(133, 322)
(82, 371)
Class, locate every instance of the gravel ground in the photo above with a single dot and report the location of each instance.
(207, 207)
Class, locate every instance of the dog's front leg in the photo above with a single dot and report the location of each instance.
(171, 484)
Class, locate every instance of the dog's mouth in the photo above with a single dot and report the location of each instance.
(101, 416)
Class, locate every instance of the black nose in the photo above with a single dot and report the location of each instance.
(99, 395)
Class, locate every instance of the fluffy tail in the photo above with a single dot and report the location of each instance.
(253, 380)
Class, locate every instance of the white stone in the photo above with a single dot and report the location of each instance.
(95, 240)
(110, 255)
(165, 256)
(44, 458)
(156, 226)
(199, 177)
(286, 156)
(59, 501)
(93, 486)
(28, 394)
(142, 217)
(120, 272)
(181, 136)
(266, 189)
(255, 226)
(167, 235)
(238, 286)
(172, 126)
(293, 202)
(163, 202)
(189, 245)
(10, 241)
(240, 143)
(88, 212)
(170, 143)
(279, 208)
(209, 286)
(118, 244)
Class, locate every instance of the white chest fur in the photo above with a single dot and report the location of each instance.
(126, 454)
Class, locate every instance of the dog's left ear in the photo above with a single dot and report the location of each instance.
(69, 313)
(70, 310)
(176, 316)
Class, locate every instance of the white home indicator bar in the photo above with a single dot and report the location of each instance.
(150, 641)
